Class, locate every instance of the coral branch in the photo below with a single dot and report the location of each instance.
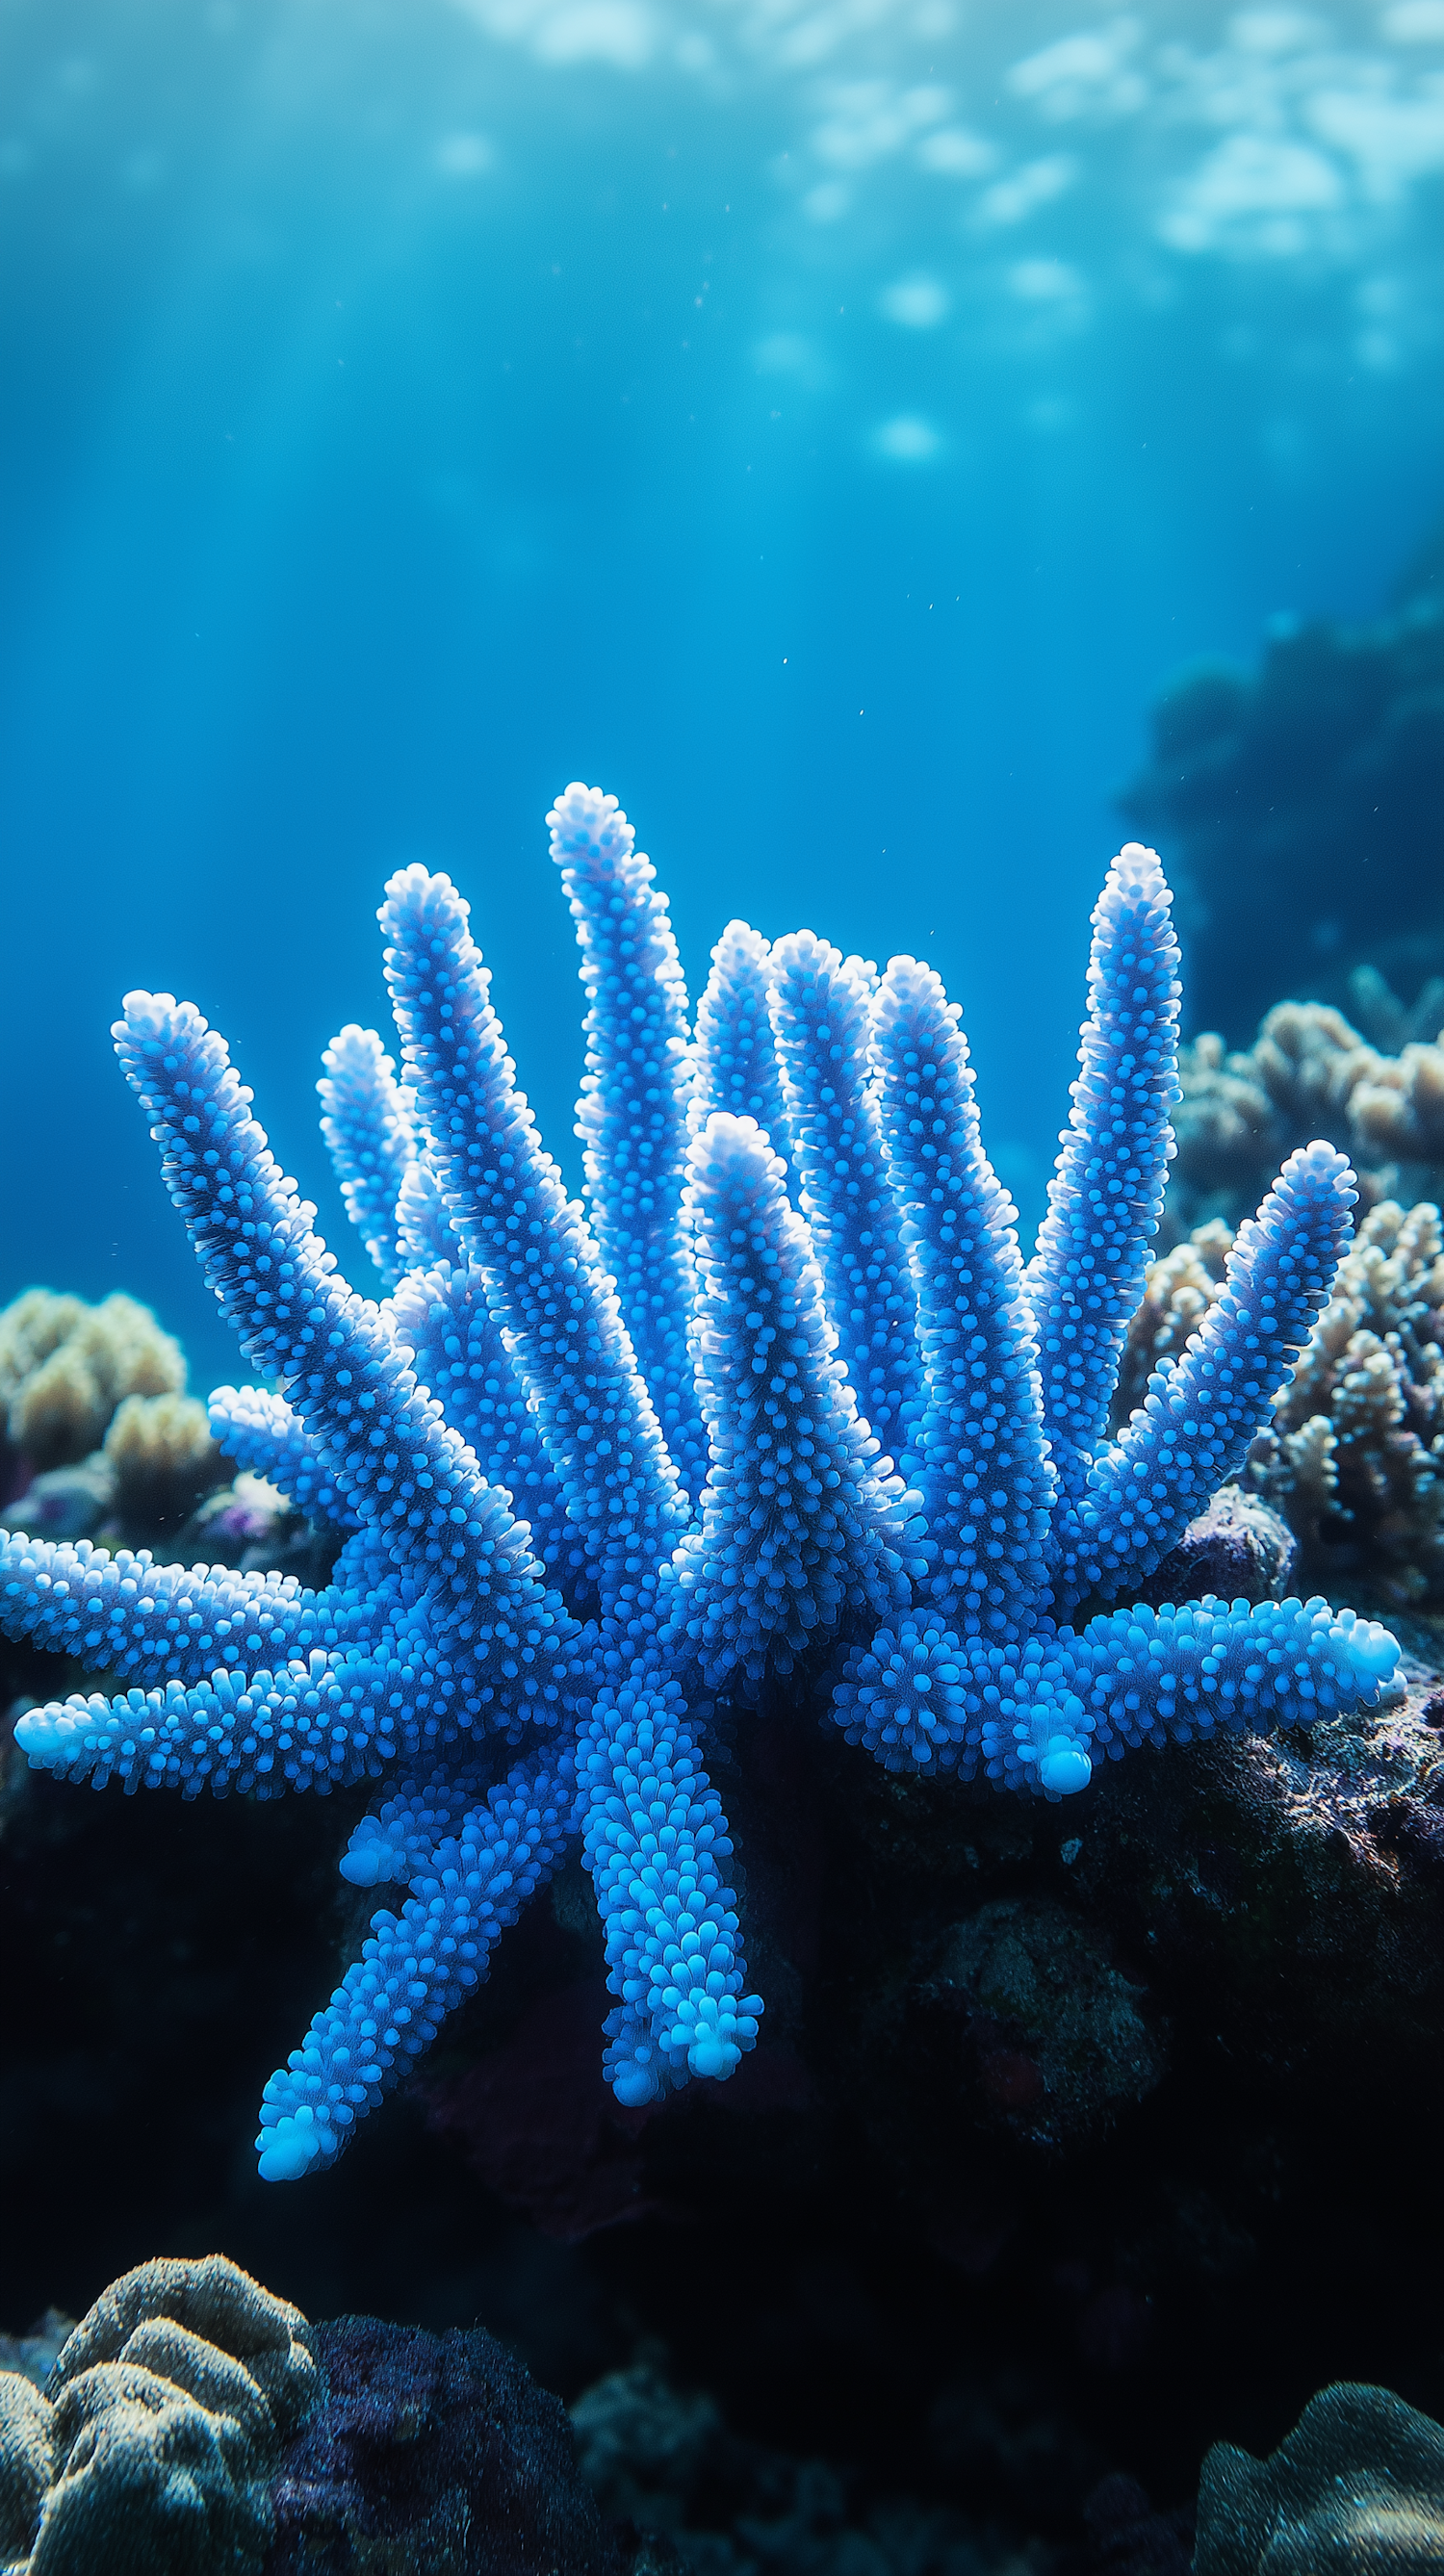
(262, 1432)
(126, 1614)
(632, 1115)
(795, 1523)
(979, 1460)
(532, 1245)
(822, 1015)
(1200, 1413)
(366, 1124)
(735, 1056)
(1037, 1713)
(416, 1967)
(1106, 1194)
(654, 1836)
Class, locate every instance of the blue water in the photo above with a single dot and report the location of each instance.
(826, 427)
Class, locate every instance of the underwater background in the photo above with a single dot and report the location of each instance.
(827, 429)
(899, 448)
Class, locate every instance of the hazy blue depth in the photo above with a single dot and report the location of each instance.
(825, 426)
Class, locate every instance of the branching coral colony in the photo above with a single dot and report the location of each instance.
(604, 1466)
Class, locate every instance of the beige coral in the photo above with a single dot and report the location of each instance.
(1226, 1127)
(1309, 1073)
(1396, 1111)
(66, 1366)
(164, 1460)
(151, 2451)
(1309, 1059)
(1354, 1459)
(1177, 1294)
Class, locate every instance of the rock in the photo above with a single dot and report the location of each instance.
(1285, 1892)
(67, 1502)
(1056, 2039)
(1239, 1548)
(435, 2453)
(1358, 2484)
(1128, 2537)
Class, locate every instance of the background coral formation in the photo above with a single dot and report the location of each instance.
(99, 1437)
(1353, 1458)
(1295, 806)
(1309, 1073)
(98, 1432)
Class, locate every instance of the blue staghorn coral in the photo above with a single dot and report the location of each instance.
(781, 1392)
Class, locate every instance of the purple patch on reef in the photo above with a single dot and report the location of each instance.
(442, 2442)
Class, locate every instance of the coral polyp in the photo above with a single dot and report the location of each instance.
(779, 1397)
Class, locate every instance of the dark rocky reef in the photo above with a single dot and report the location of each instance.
(436, 2455)
(1298, 809)
(1026, 2186)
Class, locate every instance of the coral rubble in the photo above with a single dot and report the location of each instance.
(610, 1475)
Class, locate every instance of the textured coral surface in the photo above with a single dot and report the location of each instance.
(153, 2444)
(1308, 1073)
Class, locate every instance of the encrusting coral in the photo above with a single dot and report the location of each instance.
(153, 2444)
(1353, 1454)
(604, 1468)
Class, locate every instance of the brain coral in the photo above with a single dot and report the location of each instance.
(780, 1399)
(153, 2444)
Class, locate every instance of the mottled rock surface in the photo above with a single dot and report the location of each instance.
(438, 2454)
(1358, 2484)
